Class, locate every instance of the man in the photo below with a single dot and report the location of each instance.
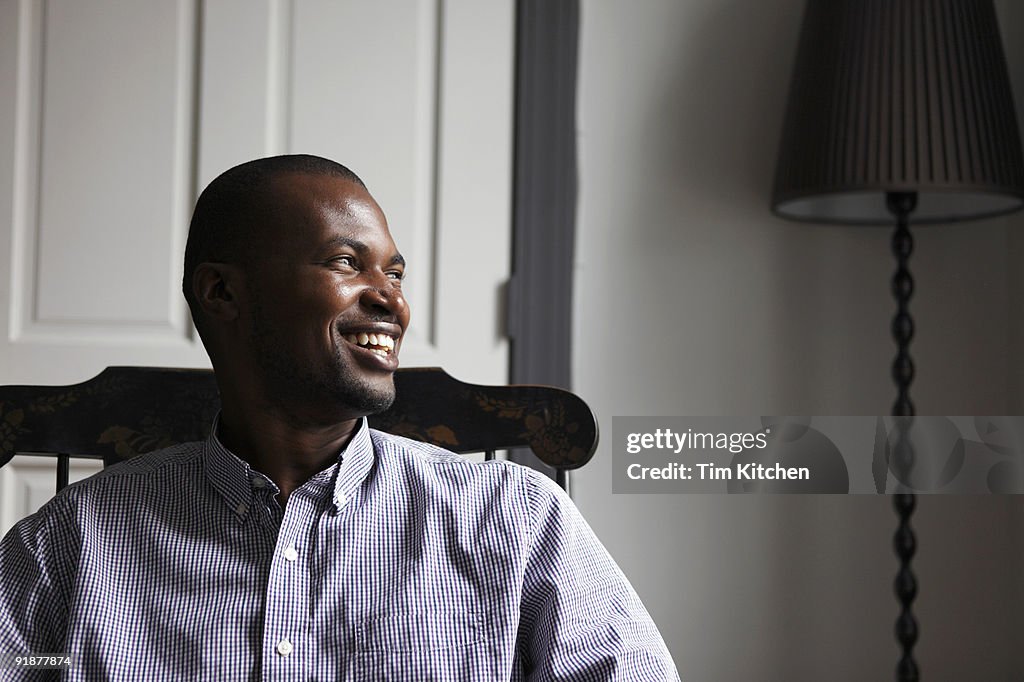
(295, 542)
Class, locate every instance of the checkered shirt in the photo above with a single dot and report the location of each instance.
(401, 561)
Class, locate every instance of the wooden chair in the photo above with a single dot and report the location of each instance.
(126, 411)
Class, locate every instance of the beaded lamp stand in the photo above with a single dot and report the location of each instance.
(901, 204)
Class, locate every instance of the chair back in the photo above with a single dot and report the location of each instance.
(126, 411)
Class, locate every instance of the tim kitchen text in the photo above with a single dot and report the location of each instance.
(708, 471)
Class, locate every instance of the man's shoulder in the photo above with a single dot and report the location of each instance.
(389, 445)
(143, 477)
(434, 462)
(164, 461)
(417, 455)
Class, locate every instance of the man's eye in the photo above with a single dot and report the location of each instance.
(397, 275)
(347, 261)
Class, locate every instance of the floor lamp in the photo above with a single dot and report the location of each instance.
(899, 113)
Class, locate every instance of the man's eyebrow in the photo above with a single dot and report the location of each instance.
(354, 244)
(359, 247)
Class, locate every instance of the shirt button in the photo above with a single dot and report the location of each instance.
(259, 483)
(290, 554)
(284, 647)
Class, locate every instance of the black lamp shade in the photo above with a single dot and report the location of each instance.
(899, 96)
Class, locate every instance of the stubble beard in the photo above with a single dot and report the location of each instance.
(335, 386)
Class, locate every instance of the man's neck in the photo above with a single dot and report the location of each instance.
(288, 453)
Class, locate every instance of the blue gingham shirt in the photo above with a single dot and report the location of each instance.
(402, 561)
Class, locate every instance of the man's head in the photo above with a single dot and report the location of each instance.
(291, 274)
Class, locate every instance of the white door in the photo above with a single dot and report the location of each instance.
(113, 115)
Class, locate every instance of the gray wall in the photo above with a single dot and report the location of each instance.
(692, 299)
(1012, 23)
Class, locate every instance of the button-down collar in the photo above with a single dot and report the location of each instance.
(234, 479)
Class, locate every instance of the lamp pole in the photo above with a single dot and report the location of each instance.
(901, 205)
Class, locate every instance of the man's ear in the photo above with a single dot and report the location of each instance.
(216, 287)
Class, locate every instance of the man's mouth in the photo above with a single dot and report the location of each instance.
(381, 344)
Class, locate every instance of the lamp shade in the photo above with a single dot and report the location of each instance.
(899, 96)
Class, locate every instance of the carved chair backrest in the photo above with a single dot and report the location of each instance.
(126, 411)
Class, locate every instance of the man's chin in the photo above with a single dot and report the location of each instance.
(365, 399)
(381, 404)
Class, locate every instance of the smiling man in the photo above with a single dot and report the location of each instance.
(295, 286)
(295, 542)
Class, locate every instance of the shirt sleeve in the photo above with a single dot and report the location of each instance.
(580, 618)
(35, 579)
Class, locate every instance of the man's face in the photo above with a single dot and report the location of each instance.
(326, 314)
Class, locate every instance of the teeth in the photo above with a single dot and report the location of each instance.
(384, 343)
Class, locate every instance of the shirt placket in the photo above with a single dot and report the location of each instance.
(285, 640)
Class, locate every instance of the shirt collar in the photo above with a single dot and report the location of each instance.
(234, 479)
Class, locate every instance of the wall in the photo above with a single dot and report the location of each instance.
(1012, 24)
(692, 299)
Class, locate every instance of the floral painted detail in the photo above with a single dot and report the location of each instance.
(548, 433)
(506, 409)
(128, 442)
(439, 434)
(11, 426)
(48, 404)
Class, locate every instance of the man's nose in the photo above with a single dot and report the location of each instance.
(384, 295)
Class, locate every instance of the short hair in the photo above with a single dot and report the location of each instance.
(229, 207)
